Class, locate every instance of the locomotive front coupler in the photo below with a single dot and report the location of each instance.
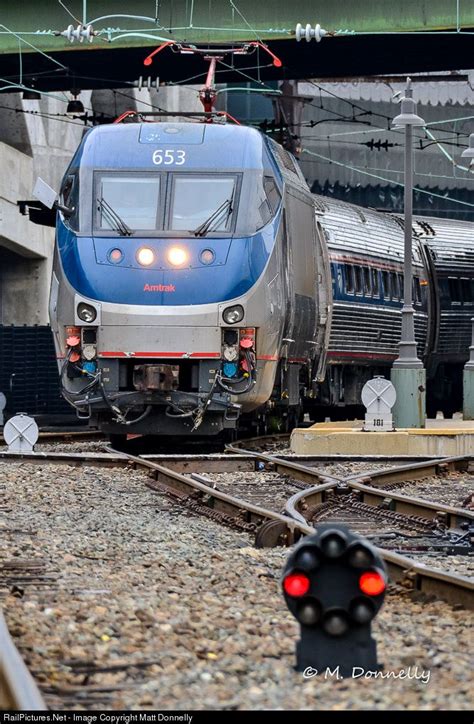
(176, 397)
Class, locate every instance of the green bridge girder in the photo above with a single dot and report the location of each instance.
(216, 20)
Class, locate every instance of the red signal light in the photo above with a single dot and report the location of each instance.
(296, 584)
(116, 255)
(372, 583)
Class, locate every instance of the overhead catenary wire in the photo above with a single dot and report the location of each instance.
(60, 117)
(400, 172)
(34, 47)
(445, 152)
(202, 75)
(423, 133)
(323, 90)
(381, 178)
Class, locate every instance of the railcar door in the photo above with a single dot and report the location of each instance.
(432, 308)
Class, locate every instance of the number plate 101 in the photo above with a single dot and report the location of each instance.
(176, 156)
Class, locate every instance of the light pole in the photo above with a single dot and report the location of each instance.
(408, 375)
(468, 376)
(468, 382)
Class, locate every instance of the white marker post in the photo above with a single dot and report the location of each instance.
(378, 397)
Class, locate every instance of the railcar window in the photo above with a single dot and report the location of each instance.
(367, 281)
(375, 282)
(349, 274)
(272, 192)
(66, 189)
(395, 286)
(455, 291)
(196, 198)
(467, 289)
(400, 286)
(265, 213)
(268, 199)
(133, 198)
(386, 284)
(416, 290)
(358, 279)
(70, 197)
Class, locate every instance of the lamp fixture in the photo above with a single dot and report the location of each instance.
(74, 105)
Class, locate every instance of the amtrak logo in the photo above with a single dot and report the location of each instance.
(159, 288)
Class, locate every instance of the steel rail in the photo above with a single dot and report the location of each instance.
(319, 459)
(18, 690)
(204, 492)
(218, 462)
(416, 470)
(451, 516)
(448, 515)
(60, 458)
(70, 435)
(287, 466)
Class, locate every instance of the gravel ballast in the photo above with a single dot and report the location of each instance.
(135, 603)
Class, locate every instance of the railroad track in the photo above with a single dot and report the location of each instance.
(272, 528)
(310, 494)
(18, 690)
(48, 436)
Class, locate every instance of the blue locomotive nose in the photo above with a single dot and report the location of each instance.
(237, 264)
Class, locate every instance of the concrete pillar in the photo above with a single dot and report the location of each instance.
(35, 143)
(468, 382)
(24, 288)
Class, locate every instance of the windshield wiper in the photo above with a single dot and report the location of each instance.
(113, 219)
(203, 228)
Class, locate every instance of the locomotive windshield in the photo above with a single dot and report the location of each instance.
(198, 198)
(184, 202)
(133, 198)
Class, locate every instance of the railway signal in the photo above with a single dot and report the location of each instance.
(334, 585)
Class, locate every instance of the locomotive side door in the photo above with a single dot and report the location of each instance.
(301, 238)
(286, 266)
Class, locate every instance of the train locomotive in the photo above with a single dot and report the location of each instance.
(197, 283)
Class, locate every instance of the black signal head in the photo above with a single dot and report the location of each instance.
(334, 580)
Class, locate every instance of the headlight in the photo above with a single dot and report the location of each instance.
(234, 314)
(207, 256)
(86, 312)
(89, 351)
(177, 256)
(115, 256)
(145, 256)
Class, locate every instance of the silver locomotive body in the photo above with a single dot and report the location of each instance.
(131, 365)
